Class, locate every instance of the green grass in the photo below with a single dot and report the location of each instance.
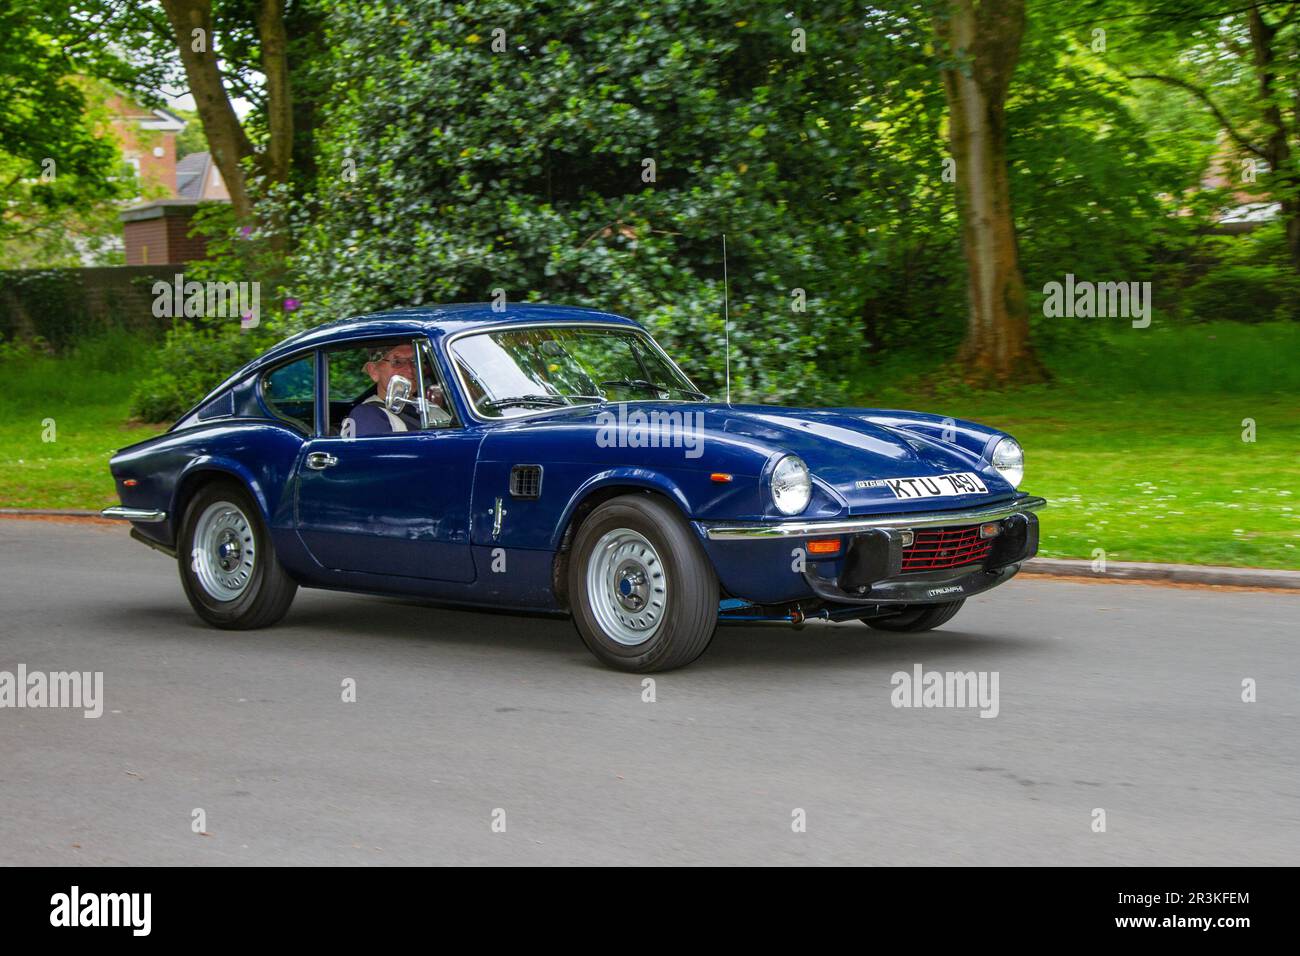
(1137, 444)
(1165, 479)
(87, 395)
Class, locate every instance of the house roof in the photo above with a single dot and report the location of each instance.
(162, 119)
(192, 174)
(158, 209)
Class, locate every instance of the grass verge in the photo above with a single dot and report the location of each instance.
(62, 418)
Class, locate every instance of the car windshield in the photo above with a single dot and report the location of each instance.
(510, 372)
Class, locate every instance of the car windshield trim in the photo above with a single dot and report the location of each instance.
(641, 335)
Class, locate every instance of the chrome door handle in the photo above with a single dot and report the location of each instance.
(321, 459)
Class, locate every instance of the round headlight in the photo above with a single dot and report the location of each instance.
(1009, 460)
(791, 486)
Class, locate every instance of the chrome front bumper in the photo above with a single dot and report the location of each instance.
(923, 519)
(134, 514)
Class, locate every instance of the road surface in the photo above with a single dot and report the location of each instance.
(1114, 697)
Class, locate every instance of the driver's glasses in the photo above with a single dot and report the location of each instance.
(401, 363)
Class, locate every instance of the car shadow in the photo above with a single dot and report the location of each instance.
(364, 618)
(837, 645)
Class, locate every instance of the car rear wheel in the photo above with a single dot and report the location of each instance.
(644, 595)
(916, 618)
(228, 567)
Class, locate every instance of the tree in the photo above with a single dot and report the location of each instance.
(196, 39)
(1240, 62)
(58, 161)
(593, 153)
(223, 51)
(980, 41)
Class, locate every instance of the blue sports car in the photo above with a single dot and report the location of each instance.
(556, 459)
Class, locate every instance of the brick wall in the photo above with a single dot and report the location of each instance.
(59, 305)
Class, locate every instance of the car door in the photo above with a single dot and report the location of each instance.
(393, 504)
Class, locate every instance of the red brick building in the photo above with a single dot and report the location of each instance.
(148, 138)
(157, 232)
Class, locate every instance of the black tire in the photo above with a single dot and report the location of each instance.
(267, 590)
(688, 615)
(916, 617)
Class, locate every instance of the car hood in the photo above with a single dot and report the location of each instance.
(845, 449)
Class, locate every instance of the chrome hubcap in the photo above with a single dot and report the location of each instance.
(225, 551)
(627, 587)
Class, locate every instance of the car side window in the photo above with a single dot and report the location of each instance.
(290, 392)
(354, 372)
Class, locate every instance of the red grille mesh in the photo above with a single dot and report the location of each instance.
(945, 548)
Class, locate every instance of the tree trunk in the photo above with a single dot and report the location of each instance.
(1278, 148)
(279, 99)
(229, 143)
(982, 43)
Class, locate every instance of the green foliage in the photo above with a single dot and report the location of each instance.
(192, 138)
(1245, 293)
(442, 169)
(57, 162)
(1249, 279)
(523, 170)
(198, 359)
(197, 355)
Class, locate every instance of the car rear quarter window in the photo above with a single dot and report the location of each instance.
(289, 392)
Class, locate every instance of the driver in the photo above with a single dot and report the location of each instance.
(371, 417)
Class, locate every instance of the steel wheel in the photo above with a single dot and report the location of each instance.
(225, 551)
(627, 586)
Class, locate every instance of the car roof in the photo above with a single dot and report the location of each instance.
(436, 321)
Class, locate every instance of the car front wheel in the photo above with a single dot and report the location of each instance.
(228, 567)
(916, 617)
(644, 595)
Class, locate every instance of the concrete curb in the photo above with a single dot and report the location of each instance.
(1060, 567)
(1175, 573)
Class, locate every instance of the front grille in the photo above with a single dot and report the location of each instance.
(941, 548)
(526, 481)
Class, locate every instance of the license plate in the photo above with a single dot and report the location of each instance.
(936, 486)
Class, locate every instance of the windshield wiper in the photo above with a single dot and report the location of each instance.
(634, 383)
(646, 383)
(547, 401)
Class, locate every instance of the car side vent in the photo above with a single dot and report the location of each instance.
(223, 406)
(526, 481)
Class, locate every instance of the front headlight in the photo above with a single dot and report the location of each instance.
(1009, 460)
(791, 485)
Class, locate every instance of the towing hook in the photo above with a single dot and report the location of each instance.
(796, 615)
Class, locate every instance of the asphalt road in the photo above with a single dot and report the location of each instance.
(1118, 697)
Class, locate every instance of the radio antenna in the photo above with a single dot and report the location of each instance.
(726, 315)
